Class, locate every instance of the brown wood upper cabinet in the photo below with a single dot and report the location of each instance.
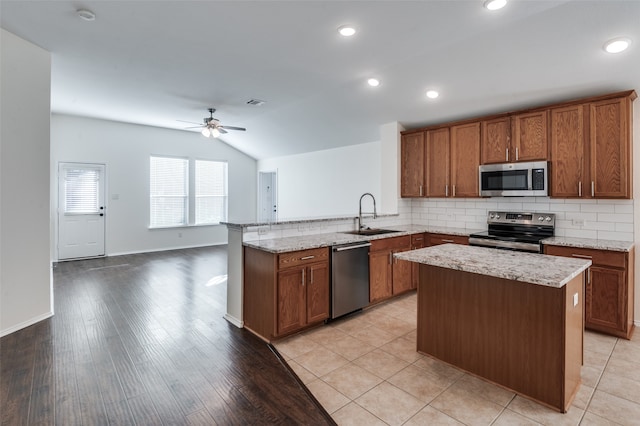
(412, 160)
(519, 137)
(591, 149)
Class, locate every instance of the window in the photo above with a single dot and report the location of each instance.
(169, 191)
(181, 195)
(211, 192)
(81, 189)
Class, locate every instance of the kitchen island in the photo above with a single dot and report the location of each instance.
(515, 319)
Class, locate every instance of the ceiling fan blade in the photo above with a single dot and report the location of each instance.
(194, 127)
(190, 122)
(221, 130)
(233, 128)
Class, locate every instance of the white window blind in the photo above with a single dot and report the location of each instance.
(211, 192)
(169, 191)
(81, 188)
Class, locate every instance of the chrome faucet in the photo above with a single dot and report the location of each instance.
(375, 214)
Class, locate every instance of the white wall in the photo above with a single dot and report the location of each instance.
(325, 183)
(125, 149)
(25, 265)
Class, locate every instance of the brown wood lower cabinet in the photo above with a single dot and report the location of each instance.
(609, 289)
(388, 276)
(418, 241)
(285, 292)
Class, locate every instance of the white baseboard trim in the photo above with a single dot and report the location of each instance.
(124, 253)
(233, 320)
(25, 324)
(637, 323)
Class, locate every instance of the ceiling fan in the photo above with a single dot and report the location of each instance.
(212, 127)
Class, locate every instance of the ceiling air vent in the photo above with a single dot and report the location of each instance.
(256, 102)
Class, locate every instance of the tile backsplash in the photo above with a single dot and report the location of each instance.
(601, 219)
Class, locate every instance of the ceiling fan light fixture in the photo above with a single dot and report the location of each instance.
(215, 132)
(206, 132)
(617, 45)
(346, 30)
(495, 4)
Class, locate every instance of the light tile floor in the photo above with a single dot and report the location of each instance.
(364, 369)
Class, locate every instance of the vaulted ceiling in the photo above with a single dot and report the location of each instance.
(157, 62)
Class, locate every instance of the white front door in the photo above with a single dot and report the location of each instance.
(267, 197)
(81, 210)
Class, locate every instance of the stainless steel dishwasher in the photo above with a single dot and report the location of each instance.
(349, 278)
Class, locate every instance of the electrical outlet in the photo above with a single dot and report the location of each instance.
(179, 234)
(262, 230)
(579, 222)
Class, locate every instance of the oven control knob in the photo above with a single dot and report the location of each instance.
(491, 216)
(548, 219)
(540, 218)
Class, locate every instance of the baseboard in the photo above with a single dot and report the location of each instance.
(124, 253)
(26, 324)
(233, 320)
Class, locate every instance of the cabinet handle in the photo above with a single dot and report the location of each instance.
(507, 156)
(310, 275)
(447, 241)
(580, 189)
(390, 257)
(302, 283)
(589, 277)
(516, 154)
(307, 257)
(593, 189)
(454, 190)
(582, 256)
(446, 190)
(421, 190)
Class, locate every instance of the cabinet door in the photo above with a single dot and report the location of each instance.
(606, 299)
(417, 242)
(412, 165)
(567, 152)
(465, 160)
(291, 300)
(610, 150)
(437, 162)
(401, 275)
(529, 141)
(496, 135)
(379, 276)
(317, 292)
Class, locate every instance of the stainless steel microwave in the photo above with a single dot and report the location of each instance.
(514, 179)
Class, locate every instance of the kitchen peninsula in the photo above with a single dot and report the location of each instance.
(513, 318)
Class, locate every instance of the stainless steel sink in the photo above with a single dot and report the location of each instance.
(371, 231)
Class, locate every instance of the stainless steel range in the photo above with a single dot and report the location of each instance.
(515, 231)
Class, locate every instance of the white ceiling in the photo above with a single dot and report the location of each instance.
(156, 62)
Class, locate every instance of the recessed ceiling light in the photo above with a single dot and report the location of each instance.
(432, 94)
(86, 14)
(617, 45)
(346, 30)
(374, 82)
(495, 4)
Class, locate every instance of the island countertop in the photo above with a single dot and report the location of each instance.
(534, 268)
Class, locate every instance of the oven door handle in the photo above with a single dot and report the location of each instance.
(511, 245)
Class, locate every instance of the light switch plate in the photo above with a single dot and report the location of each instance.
(575, 299)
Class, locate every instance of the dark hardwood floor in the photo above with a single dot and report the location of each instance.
(141, 339)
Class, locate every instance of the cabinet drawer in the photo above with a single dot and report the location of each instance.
(435, 239)
(302, 257)
(615, 259)
(417, 239)
(393, 243)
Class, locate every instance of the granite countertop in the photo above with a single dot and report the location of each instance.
(590, 243)
(534, 268)
(304, 242)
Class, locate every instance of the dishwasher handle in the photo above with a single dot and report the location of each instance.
(352, 247)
